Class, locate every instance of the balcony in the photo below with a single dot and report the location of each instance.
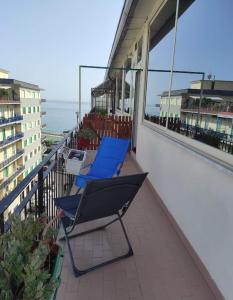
(5, 100)
(5, 182)
(161, 267)
(43, 125)
(11, 139)
(15, 119)
(43, 113)
(11, 159)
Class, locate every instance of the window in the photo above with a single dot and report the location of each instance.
(187, 110)
(34, 137)
(38, 122)
(30, 140)
(38, 109)
(34, 109)
(24, 110)
(5, 153)
(31, 154)
(22, 93)
(35, 151)
(39, 148)
(25, 158)
(25, 143)
(29, 110)
(6, 172)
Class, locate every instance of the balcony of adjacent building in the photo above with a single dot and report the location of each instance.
(11, 120)
(11, 159)
(11, 139)
(5, 181)
(9, 95)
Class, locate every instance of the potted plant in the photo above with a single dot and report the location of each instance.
(85, 135)
(29, 266)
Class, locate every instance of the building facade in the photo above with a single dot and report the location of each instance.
(215, 112)
(20, 131)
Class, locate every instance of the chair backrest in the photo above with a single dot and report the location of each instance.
(111, 153)
(106, 197)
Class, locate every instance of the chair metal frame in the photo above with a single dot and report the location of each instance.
(78, 272)
(76, 220)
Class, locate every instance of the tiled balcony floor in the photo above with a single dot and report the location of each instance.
(161, 268)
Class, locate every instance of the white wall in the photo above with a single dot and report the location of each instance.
(198, 195)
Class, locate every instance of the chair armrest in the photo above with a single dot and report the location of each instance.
(119, 169)
(86, 166)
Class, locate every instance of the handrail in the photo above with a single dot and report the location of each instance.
(9, 199)
(10, 178)
(11, 139)
(11, 158)
(13, 119)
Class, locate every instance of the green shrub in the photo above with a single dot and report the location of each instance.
(87, 134)
(24, 274)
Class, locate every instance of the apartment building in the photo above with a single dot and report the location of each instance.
(215, 112)
(20, 131)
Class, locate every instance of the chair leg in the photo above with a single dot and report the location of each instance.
(78, 190)
(87, 231)
(76, 270)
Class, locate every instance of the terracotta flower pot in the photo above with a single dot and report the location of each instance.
(83, 143)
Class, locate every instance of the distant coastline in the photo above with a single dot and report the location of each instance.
(61, 115)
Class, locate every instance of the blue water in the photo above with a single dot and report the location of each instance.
(61, 115)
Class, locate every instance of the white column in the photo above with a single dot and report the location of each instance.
(123, 91)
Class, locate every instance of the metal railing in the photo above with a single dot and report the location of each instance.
(12, 158)
(14, 119)
(35, 194)
(210, 137)
(11, 139)
(8, 180)
(4, 100)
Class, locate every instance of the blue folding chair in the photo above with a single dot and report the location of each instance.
(108, 161)
(101, 198)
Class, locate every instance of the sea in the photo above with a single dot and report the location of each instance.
(61, 115)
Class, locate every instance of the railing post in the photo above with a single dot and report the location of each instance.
(40, 192)
(2, 223)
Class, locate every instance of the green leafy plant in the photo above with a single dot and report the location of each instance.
(25, 261)
(87, 134)
(101, 111)
(3, 93)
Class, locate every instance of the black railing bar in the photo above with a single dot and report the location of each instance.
(176, 71)
(50, 167)
(5, 202)
(25, 201)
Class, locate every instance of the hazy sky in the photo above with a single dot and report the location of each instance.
(44, 41)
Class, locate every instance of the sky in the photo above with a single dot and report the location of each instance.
(44, 41)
